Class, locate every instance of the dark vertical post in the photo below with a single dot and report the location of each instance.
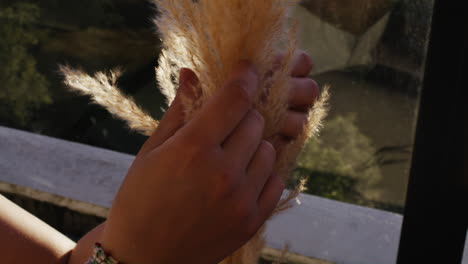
(436, 213)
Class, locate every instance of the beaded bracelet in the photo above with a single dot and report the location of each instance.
(100, 256)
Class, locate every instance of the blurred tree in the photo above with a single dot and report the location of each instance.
(339, 164)
(76, 14)
(22, 88)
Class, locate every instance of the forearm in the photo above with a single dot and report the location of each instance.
(26, 239)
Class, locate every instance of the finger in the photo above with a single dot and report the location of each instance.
(174, 117)
(293, 124)
(261, 167)
(245, 139)
(269, 197)
(280, 143)
(302, 65)
(192, 90)
(303, 94)
(277, 62)
(221, 114)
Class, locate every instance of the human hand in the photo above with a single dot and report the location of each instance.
(197, 191)
(302, 96)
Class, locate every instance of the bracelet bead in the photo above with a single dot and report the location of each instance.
(100, 256)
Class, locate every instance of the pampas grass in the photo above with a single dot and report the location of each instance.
(103, 90)
(211, 37)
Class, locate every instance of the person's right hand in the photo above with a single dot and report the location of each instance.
(197, 191)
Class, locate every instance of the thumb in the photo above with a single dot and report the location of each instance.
(174, 118)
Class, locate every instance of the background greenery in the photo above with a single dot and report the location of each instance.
(24, 89)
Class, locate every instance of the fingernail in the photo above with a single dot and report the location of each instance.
(184, 75)
(188, 77)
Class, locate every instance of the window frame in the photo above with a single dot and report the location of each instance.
(435, 217)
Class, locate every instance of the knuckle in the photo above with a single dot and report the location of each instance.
(227, 182)
(190, 144)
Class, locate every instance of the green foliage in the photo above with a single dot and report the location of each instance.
(22, 87)
(83, 13)
(77, 14)
(339, 164)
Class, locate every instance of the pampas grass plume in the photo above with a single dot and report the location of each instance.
(210, 37)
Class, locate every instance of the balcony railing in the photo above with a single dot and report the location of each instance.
(85, 179)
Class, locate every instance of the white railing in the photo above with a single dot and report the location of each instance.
(85, 179)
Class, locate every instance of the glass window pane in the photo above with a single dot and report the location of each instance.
(372, 54)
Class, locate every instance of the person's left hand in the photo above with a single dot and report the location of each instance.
(302, 96)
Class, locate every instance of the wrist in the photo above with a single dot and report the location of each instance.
(100, 256)
(126, 250)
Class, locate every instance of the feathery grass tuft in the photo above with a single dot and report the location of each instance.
(103, 91)
(211, 37)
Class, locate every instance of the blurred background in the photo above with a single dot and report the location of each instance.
(371, 52)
